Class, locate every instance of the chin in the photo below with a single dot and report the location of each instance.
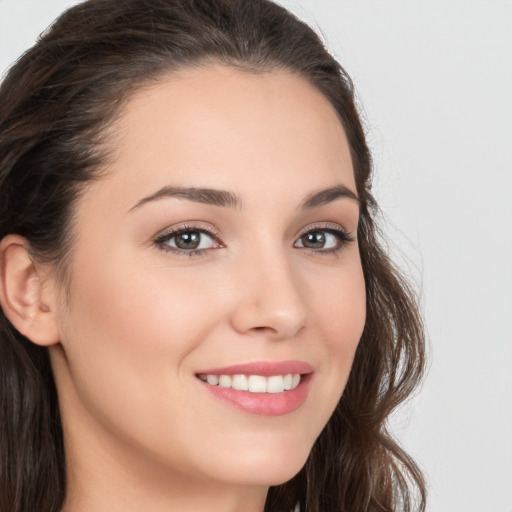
(269, 476)
(266, 467)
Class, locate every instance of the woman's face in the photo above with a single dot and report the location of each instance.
(221, 242)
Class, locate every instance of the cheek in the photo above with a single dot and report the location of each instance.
(340, 317)
(128, 339)
(142, 309)
(130, 331)
(340, 309)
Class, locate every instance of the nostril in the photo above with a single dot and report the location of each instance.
(263, 329)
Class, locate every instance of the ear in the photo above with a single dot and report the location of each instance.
(28, 305)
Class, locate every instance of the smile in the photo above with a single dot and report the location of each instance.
(260, 388)
(254, 383)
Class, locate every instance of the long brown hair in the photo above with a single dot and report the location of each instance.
(56, 104)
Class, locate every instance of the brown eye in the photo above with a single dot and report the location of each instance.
(188, 240)
(313, 240)
(323, 240)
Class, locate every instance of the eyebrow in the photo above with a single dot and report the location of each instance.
(199, 195)
(328, 195)
(229, 199)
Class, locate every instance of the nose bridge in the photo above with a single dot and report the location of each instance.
(271, 300)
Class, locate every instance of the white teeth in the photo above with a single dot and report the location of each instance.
(240, 382)
(257, 384)
(275, 384)
(224, 381)
(212, 379)
(254, 383)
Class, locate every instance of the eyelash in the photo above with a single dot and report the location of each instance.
(343, 238)
(160, 241)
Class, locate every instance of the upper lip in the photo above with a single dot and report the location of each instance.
(263, 368)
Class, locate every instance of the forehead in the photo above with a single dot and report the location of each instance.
(220, 127)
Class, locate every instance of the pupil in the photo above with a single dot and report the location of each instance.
(188, 240)
(315, 240)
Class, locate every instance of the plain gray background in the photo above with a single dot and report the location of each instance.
(435, 82)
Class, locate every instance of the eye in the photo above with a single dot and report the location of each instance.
(190, 241)
(324, 239)
(187, 240)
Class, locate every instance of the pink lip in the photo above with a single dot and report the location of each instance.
(264, 368)
(263, 404)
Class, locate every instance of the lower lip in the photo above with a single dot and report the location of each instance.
(263, 404)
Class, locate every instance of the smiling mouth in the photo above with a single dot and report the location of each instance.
(263, 388)
(254, 383)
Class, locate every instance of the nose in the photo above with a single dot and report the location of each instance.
(270, 301)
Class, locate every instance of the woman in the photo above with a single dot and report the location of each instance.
(196, 311)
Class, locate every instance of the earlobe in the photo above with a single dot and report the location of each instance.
(21, 293)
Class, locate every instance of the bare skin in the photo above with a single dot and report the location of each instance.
(147, 314)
